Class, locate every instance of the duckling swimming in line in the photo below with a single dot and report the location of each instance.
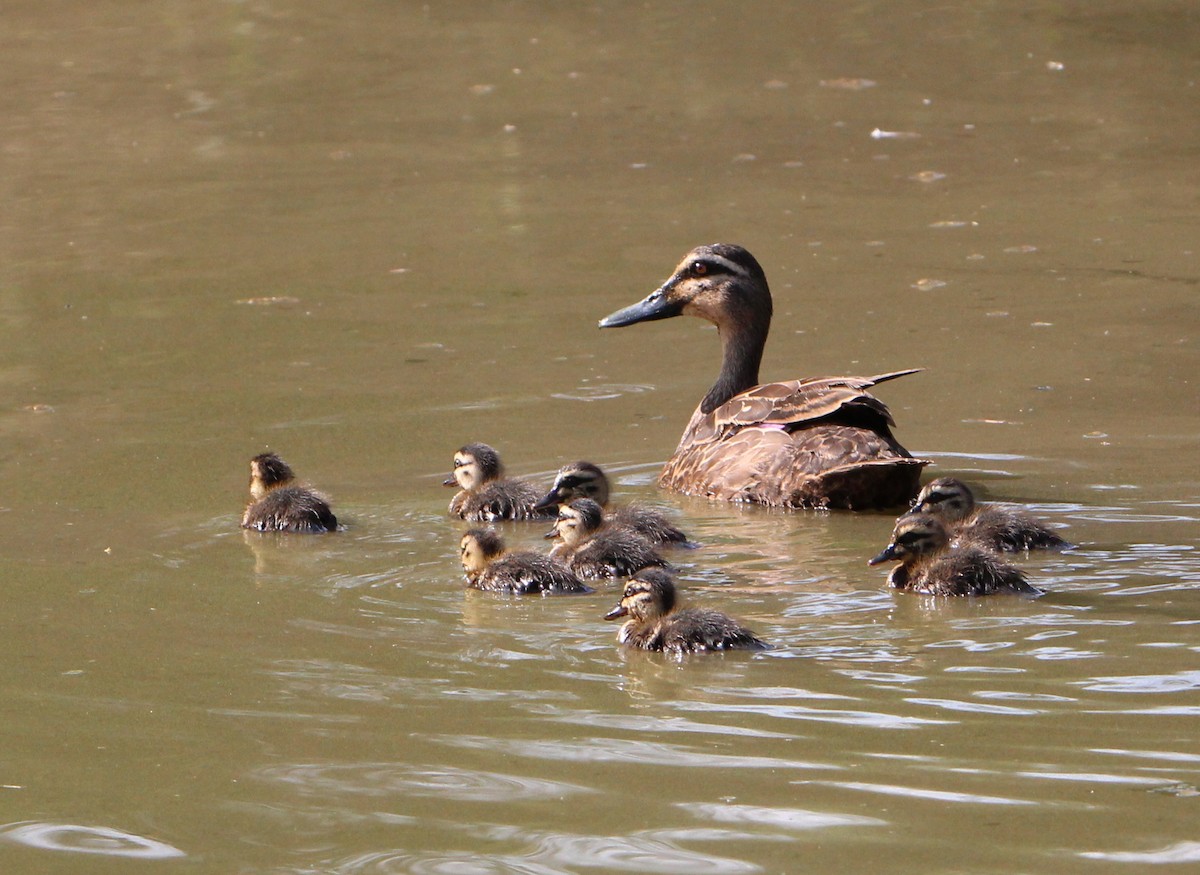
(991, 526)
(585, 480)
(654, 623)
(594, 549)
(280, 505)
(817, 442)
(485, 495)
(928, 564)
(489, 567)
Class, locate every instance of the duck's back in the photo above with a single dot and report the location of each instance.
(1008, 529)
(529, 573)
(499, 500)
(290, 509)
(692, 630)
(614, 551)
(964, 571)
(651, 524)
(824, 442)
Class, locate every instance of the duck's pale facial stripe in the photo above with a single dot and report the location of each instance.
(712, 260)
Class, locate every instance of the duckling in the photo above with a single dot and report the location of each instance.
(654, 624)
(928, 564)
(279, 504)
(815, 442)
(485, 495)
(594, 549)
(489, 567)
(585, 480)
(999, 527)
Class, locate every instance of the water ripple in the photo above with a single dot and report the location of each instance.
(75, 839)
(1180, 852)
(654, 723)
(975, 707)
(873, 719)
(781, 818)
(385, 779)
(612, 750)
(1183, 681)
(933, 795)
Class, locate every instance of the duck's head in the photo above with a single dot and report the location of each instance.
(649, 595)
(722, 283)
(915, 535)
(946, 498)
(577, 480)
(576, 522)
(477, 548)
(267, 472)
(474, 465)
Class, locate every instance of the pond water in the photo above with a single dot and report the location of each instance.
(363, 237)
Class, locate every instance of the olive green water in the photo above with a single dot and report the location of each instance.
(363, 236)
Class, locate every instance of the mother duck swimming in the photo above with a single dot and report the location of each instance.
(815, 442)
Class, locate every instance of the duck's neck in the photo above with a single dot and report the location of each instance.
(742, 344)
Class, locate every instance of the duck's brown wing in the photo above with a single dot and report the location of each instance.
(823, 442)
(796, 402)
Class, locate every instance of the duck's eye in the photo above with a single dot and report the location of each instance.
(699, 268)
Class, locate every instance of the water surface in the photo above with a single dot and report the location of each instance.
(363, 237)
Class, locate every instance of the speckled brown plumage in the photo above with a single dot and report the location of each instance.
(279, 504)
(648, 599)
(489, 567)
(594, 548)
(1001, 527)
(587, 480)
(930, 566)
(485, 495)
(823, 442)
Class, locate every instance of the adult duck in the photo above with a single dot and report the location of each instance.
(817, 442)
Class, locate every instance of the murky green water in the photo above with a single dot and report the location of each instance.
(363, 236)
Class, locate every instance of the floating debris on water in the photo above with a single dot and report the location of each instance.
(879, 134)
(928, 176)
(928, 285)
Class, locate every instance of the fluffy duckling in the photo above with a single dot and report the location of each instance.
(585, 480)
(815, 442)
(654, 623)
(594, 549)
(484, 493)
(489, 567)
(928, 564)
(279, 504)
(1000, 527)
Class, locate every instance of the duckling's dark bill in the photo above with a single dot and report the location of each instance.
(889, 552)
(618, 611)
(654, 306)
